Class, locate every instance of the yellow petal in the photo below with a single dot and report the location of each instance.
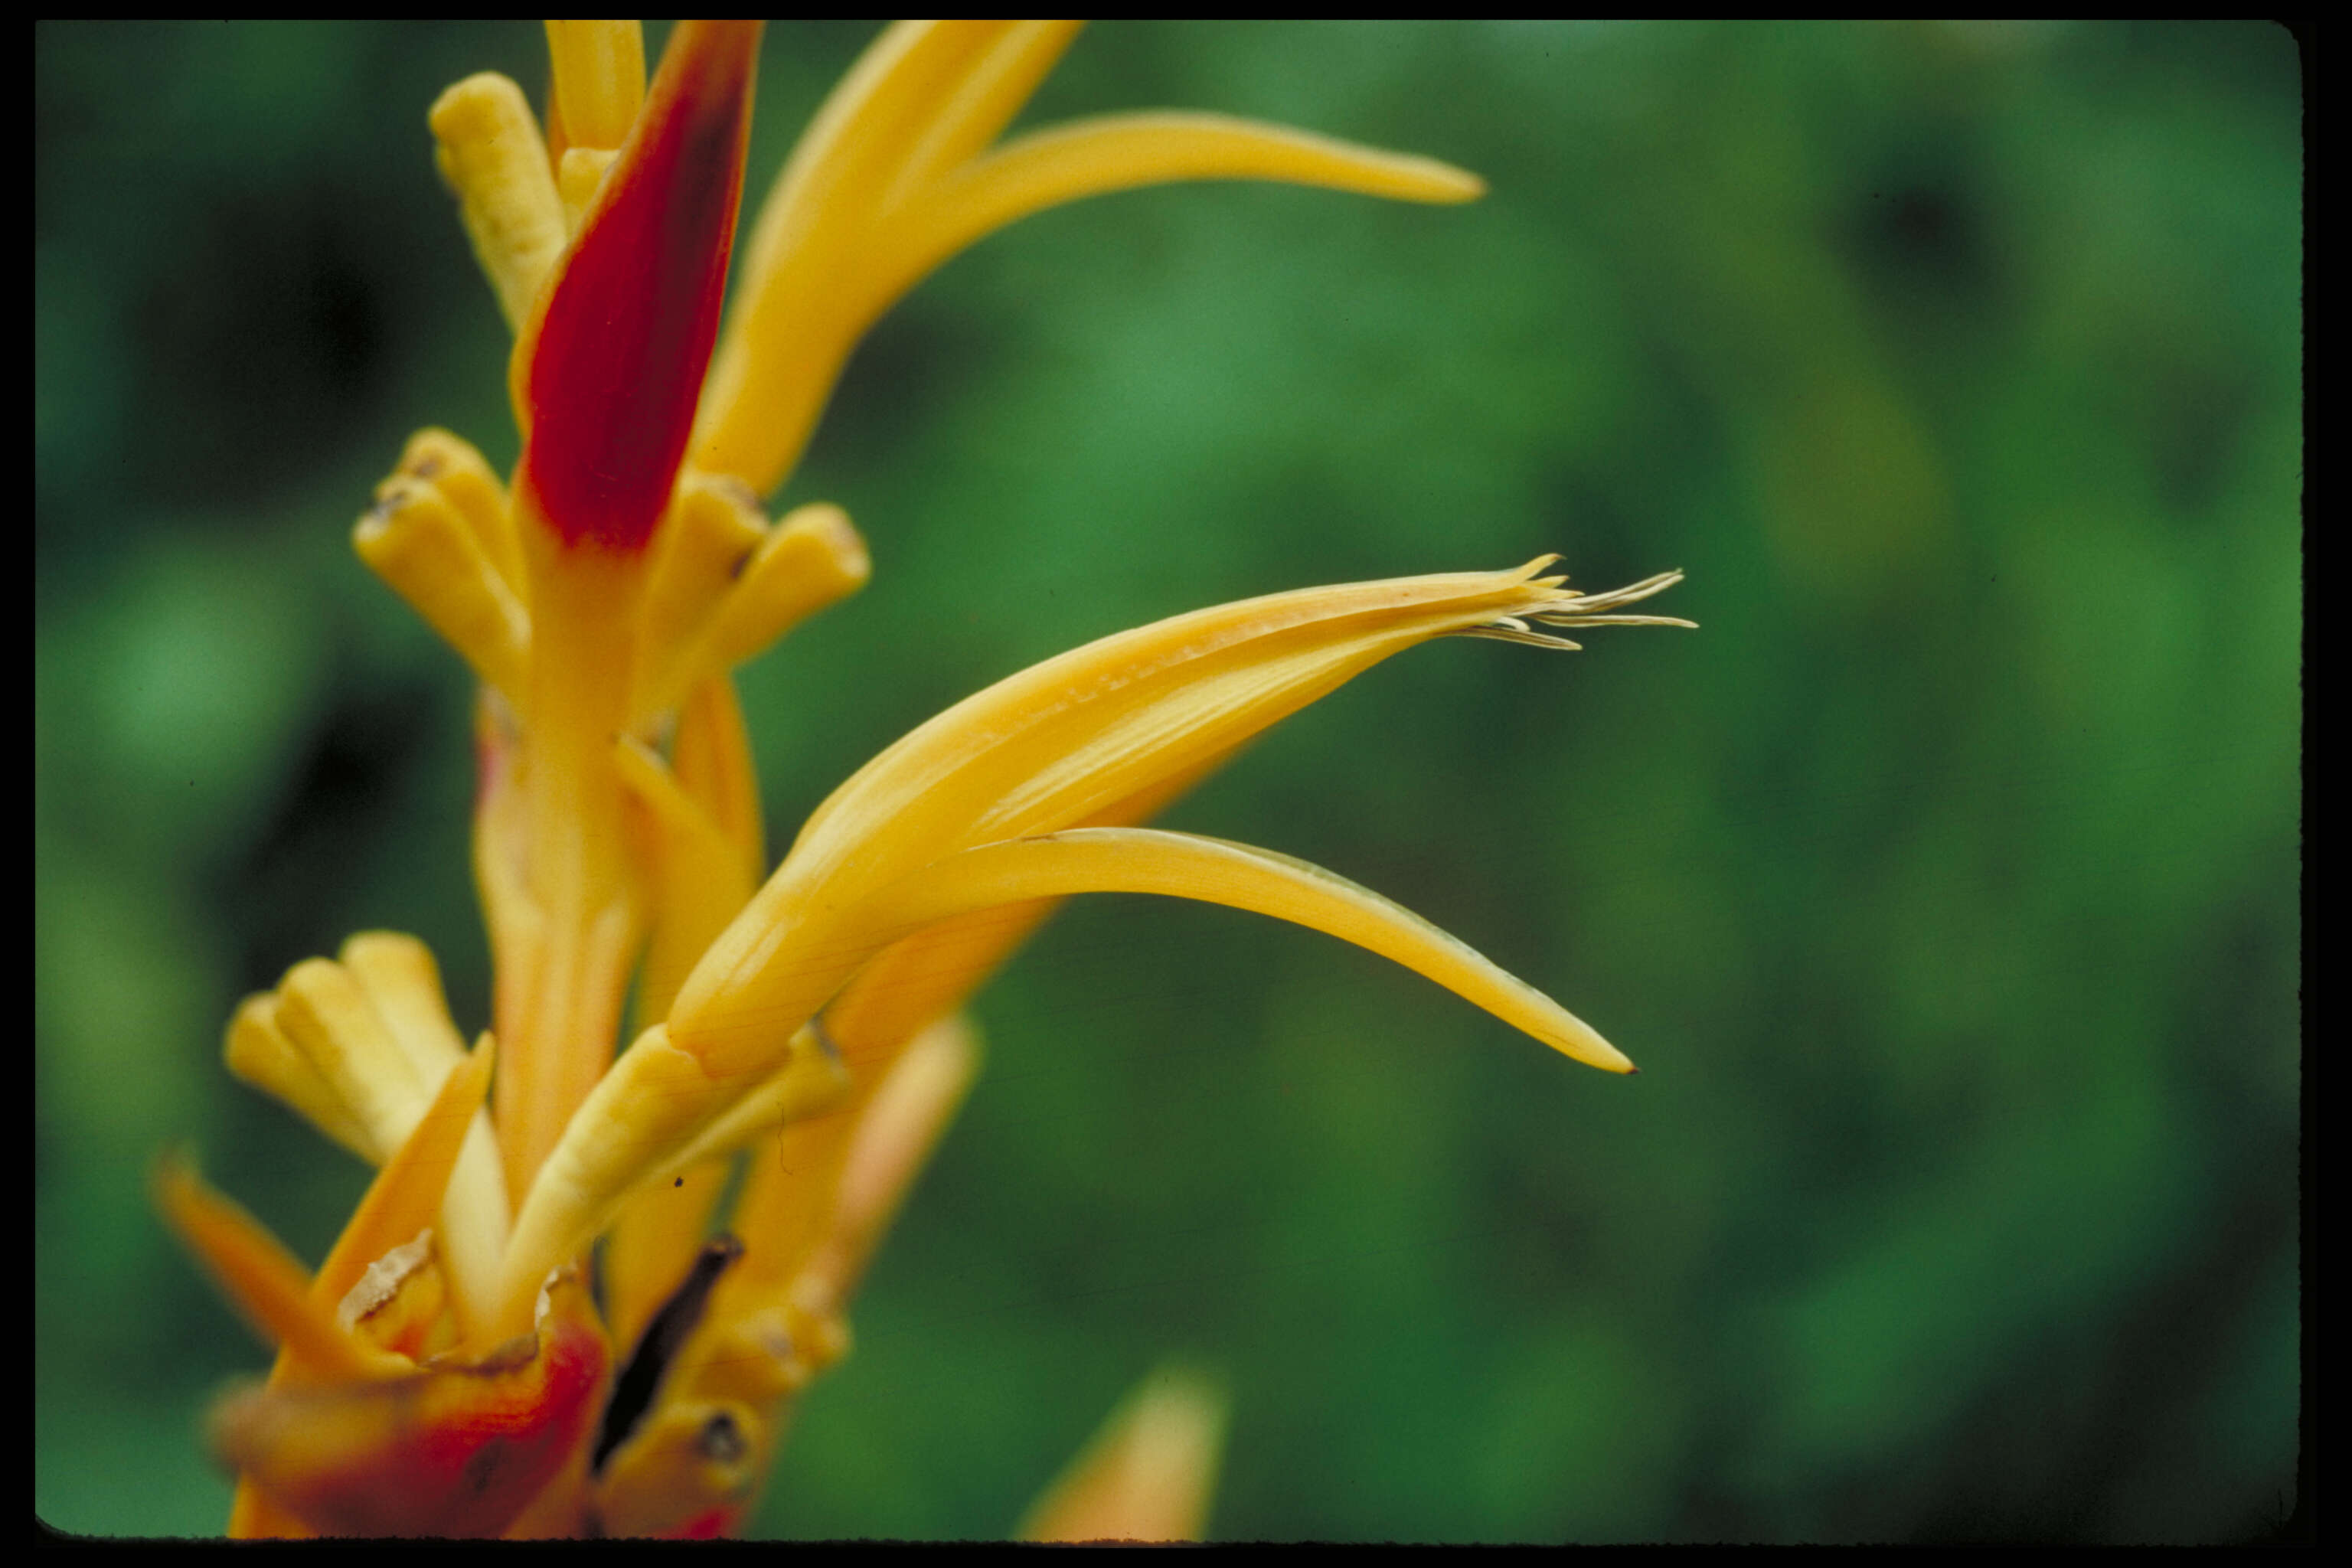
(813, 559)
(705, 807)
(638, 1116)
(1126, 151)
(901, 1000)
(464, 478)
(600, 80)
(1000, 65)
(404, 985)
(492, 156)
(361, 1047)
(811, 1083)
(712, 758)
(259, 1052)
(703, 546)
(1050, 747)
(1148, 1475)
(1181, 865)
(1063, 739)
(725, 586)
(1077, 737)
(579, 175)
(656, 1114)
(920, 979)
(326, 1014)
(416, 541)
(700, 881)
(892, 179)
(407, 1192)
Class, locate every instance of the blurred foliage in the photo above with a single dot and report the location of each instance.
(1945, 885)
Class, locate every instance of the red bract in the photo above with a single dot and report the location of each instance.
(454, 1450)
(616, 363)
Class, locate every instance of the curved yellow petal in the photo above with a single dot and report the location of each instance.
(1051, 747)
(360, 1046)
(797, 308)
(705, 807)
(711, 756)
(329, 1015)
(905, 997)
(996, 81)
(1064, 739)
(1183, 865)
(653, 1109)
(1126, 151)
(725, 585)
(639, 1115)
(700, 878)
(893, 179)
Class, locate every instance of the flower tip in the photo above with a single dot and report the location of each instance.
(1453, 186)
(1593, 1051)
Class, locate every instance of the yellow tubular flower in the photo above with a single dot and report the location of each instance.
(467, 1361)
(599, 71)
(491, 155)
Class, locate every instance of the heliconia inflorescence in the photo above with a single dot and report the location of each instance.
(531, 1325)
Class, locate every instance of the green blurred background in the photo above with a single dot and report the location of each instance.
(1945, 885)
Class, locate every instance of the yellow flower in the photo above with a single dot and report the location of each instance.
(447, 1371)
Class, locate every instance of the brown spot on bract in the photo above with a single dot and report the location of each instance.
(483, 1467)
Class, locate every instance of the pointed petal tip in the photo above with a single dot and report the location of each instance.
(1590, 1048)
(1451, 187)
